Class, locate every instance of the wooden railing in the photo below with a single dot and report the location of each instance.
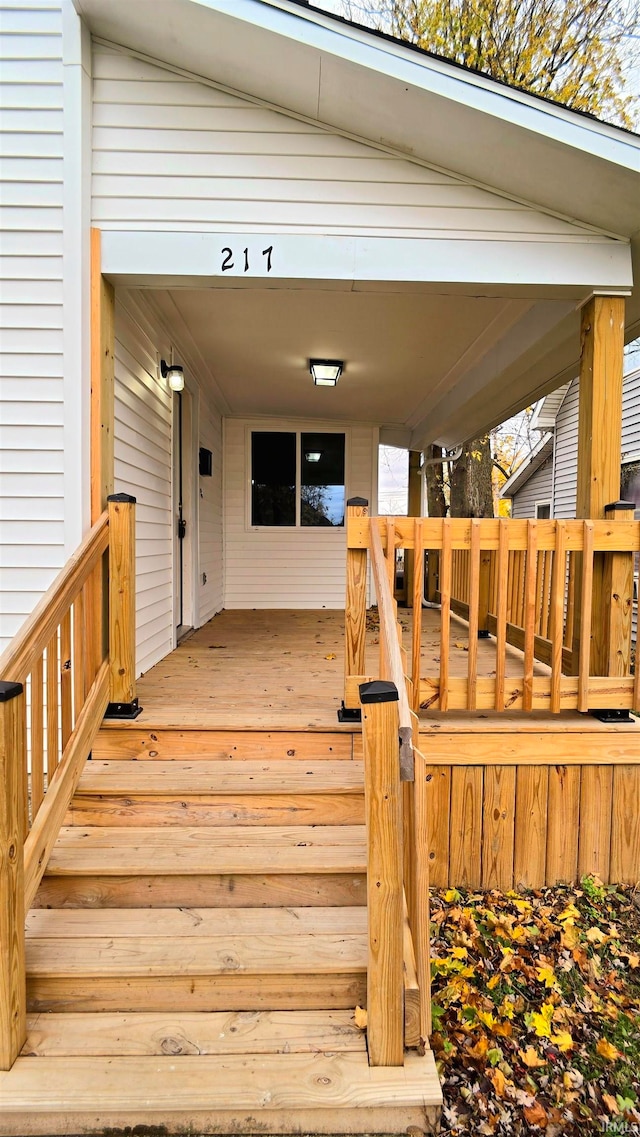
(73, 656)
(398, 972)
(559, 591)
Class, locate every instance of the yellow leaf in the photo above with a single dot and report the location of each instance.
(570, 937)
(569, 915)
(607, 1050)
(546, 975)
(451, 894)
(610, 1103)
(331, 655)
(499, 1081)
(487, 1019)
(493, 982)
(459, 952)
(541, 1021)
(634, 960)
(562, 1040)
(596, 936)
(531, 1058)
(360, 1015)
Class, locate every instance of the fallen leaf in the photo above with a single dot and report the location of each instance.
(498, 1081)
(563, 1040)
(331, 655)
(607, 1050)
(610, 1103)
(535, 1115)
(360, 1015)
(546, 975)
(596, 936)
(531, 1058)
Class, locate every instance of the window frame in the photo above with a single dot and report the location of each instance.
(536, 505)
(268, 427)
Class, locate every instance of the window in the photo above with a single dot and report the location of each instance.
(543, 510)
(297, 478)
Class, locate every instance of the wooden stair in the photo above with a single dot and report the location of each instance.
(199, 943)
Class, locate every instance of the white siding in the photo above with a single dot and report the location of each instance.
(32, 520)
(175, 153)
(538, 488)
(288, 568)
(211, 591)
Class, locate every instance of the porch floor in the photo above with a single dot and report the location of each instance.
(284, 670)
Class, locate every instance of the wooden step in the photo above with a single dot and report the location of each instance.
(65, 923)
(239, 1093)
(143, 744)
(192, 778)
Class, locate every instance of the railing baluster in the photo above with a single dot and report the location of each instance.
(474, 615)
(418, 592)
(53, 678)
(586, 598)
(421, 918)
(571, 603)
(530, 589)
(37, 736)
(13, 748)
(501, 613)
(558, 588)
(355, 609)
(66, 678)
(78, 660)
(445, 613)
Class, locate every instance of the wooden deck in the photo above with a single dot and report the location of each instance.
(266, 670)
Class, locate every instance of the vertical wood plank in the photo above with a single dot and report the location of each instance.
(78, 658)
(501, 612)
(438, 782)
(625, 825)
(571, 603)
(418, 591)
(618, 598)
(558, 586)
(562, 828)
(355, 608)
(600, 404)
(586, 596)
(530, 849)
(529, 611)
(465, 839)
(53, 696)
(474, 615)
(91, 632)
(498, 819)
(421, 918)
(37, 736)
(66, 709)
(385, 907)
(102, 381)
(13, 745)
(445, 613)
(594, 846)
(414, 509)
(122, 600)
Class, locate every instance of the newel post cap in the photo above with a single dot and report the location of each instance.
(9, 690)
(357, 501)
(619, 506)
(378, 691)
(123, 498)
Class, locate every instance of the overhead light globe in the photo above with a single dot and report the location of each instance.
(174, 374)
(313, 455)
(326, 372)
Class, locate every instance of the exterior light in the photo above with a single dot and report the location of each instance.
(313, 455)
(174, 374)
(326, 372)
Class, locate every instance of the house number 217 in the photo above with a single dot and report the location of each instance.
(228, 262)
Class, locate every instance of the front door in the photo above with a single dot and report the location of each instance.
(183, 527)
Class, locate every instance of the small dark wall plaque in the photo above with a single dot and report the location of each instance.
(206, 463)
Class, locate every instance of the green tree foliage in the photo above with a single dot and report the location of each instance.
(572, 51)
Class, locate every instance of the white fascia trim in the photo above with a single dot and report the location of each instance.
(440, 78)
(526, 469)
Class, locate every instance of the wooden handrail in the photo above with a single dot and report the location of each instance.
(393, 655)
(18, 659)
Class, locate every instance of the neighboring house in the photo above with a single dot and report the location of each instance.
(546, 480)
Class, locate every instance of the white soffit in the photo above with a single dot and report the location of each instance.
(329, 72)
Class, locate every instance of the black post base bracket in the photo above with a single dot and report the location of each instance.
(123, 710)
(483, 634)
(613, 716)
(349, 714)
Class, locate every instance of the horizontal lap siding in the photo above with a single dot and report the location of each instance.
(287, 568)
(172, 153)
(566, 455)
(143, 468)
(31, 367)
(538, 488)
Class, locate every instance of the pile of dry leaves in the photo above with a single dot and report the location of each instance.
(537, 1010)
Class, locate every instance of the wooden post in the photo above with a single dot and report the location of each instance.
(123, 703)
(618, 597)
(414, 509)
(599, 448)
(13, 996)
(355, 609)
(383, 806)
(102, 382)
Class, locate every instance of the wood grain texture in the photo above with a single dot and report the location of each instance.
(465, 837)
(594, 846)
(13, 743)
(564, 817)
(122, 607)
(383, 805)
(498, 826)
(438, 782)
(530, 833)
(102, 381)
(600, 405)
(37, 736)
(625, 825)
(356, 601)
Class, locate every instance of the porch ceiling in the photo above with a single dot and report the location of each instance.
(406, 353)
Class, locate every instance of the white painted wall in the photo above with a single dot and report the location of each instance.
(172, 152)
(288, 568)
(32, 529)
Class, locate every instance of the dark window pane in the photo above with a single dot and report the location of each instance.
(322, 492)
(543, 511)
(273, 478)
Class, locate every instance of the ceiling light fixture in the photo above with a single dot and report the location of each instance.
(326, 372)
(174, 374)
(313, 455)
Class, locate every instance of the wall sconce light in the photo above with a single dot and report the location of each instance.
(313, 455)
(326, 372)
(174, 374)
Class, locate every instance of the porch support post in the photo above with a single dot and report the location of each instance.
(599, 447)
(13, 765)
(385, 902)
(123, 703)
(355, 608)
(102, 382)
(618, 597)
(414, 509)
